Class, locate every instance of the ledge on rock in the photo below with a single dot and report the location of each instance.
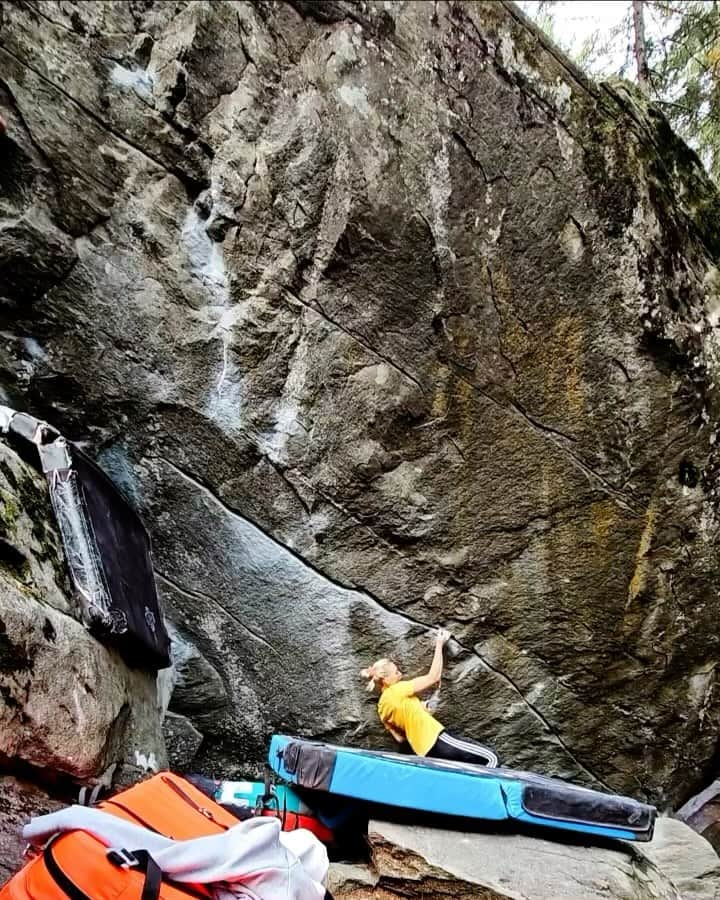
(182, 740)
(418, 861)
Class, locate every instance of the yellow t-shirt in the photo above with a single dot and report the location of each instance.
(400, 708)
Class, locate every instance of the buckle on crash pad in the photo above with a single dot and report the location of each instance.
(123, 859)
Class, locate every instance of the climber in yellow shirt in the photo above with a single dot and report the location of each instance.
(407, 718)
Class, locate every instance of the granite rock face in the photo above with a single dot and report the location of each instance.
(386, 319)
(70, 708)
(182, 740)
(411, 861)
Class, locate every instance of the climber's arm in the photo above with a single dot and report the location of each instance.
(434, 674)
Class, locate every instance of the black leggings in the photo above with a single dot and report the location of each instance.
(462, 749)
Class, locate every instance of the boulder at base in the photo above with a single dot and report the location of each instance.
(68, 704)
(19, 801)
(417, 861)
(702, 812)
(71, 711)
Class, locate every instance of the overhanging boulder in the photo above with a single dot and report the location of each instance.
(387, 318)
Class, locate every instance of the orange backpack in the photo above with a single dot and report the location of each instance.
(75, 865)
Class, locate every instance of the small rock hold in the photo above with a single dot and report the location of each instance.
(204, 205)
(142, 48)
(688, 475)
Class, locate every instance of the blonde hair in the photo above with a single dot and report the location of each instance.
(377, 673)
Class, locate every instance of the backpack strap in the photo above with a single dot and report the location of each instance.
(58, 876)
(141, 860)
(137, 859)
(270, 795)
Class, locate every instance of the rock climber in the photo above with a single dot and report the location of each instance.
(407, 718)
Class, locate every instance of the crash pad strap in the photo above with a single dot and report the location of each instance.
(143, 862)
(59, 877)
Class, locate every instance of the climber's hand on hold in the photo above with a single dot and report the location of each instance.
(442, 637)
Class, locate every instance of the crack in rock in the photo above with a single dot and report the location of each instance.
(318, 310)
(536, 712)
(202, 486)
(423, 627)
(200, 595)
(189, 181)
(559, 438)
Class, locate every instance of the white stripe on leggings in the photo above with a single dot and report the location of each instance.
(472, 749)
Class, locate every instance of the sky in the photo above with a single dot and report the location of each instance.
(576, 21)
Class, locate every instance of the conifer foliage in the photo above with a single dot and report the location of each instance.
(671, 48)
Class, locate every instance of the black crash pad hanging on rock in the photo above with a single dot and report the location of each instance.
(106, 546)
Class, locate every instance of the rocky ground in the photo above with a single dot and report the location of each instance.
(429, 862)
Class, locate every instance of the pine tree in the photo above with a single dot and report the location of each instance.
(685, 73)
(640, 48)
(675, 46)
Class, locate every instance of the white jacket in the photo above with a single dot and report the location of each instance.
(253, 859)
